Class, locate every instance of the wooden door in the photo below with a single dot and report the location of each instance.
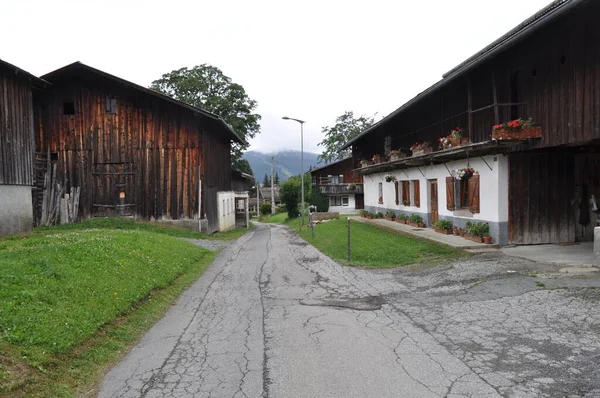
(359, 201)
(114, 190)
(433, 200)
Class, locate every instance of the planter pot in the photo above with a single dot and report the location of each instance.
(456, 232)
(477, 239)
(443, 231)
(423, 151)
(390, 218)
(399, 221)
(421, 225)
(412, 224)
(394, 158)
(532, 132)
(487, 240)
(370, 217)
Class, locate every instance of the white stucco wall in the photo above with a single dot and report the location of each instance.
(493, 190)
(226, 209)
(350, 209)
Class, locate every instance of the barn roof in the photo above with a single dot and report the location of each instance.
(36, 81)
(195, 110)
(523, 30)
(330, 164)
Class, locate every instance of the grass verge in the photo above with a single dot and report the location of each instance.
(74, 298)
(372, 246)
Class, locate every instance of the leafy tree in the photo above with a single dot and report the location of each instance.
(266, 181)
(206, 87)
(320, 200)
(276, 179)
(289, 192)
(345, 128)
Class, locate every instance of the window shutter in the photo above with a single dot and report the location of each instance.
(417, 193)
(396, 189)
(406, 193)
(450, 193)
(474, 193)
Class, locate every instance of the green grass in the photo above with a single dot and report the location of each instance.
(375, 247)
(74, 297)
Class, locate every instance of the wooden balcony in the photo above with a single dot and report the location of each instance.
(332, 189)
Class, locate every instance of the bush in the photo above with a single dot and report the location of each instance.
(265, 209)
(443, 224)
(252, 214)
(415, 218)
(290, 195)
(280, 209)
(363, 213)
(321, 201)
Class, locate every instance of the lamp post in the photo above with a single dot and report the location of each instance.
(301, 159)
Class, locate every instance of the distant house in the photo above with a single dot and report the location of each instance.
(135, 152)
(342, 186)
(533, 185)
(17, 148)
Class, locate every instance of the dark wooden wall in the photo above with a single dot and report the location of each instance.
(17, 144)
(554, 74)
(154, 151)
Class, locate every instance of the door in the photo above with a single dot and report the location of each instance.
(433, 200)
(359, 201)
(114, 190)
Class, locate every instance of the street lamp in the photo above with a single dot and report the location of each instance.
(301, 159)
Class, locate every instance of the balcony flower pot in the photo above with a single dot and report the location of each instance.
(397, 156)
(422, 151)
(516, 130)
(487, 240)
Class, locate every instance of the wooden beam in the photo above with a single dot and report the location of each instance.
(495, 94)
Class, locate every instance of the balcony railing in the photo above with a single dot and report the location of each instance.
(341, 188)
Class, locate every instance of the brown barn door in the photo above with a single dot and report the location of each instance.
(114, 190)
(433, 200)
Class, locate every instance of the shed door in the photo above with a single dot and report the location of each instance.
(114, 190)
(433, 200)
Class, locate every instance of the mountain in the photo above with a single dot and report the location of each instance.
(287, 163)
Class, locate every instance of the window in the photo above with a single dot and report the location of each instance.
(406, 193)
(416, 193)
(341, 179)
(380, 190)
(68, 108)
(463, 194)
(338, 201)
(111, 105)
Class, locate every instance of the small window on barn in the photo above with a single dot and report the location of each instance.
(111, 105)
(68, 108)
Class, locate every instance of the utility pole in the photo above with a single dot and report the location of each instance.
(272, 186)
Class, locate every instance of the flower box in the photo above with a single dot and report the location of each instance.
(504, 134)
(396, 157)
(390, 218)
(443, 231)
(400, 221)
(422, 151)
(415, 224)
(474, 238)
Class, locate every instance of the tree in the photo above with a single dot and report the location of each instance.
(289, 192)
(276, 179)
(266, 182)
(244, 166)
(206, 87)
(346, 127)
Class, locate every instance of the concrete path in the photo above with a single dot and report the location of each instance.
(273, 317)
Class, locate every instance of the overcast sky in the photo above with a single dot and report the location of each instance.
(310, 60)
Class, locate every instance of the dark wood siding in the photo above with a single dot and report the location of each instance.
(17, 139)
(342, 168)
(153, 151)
(542, 186)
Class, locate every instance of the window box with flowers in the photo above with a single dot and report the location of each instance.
(396, 155)
(390, 215)
(516, 130)
(363, 163)
(453, 140)
(377, 159)
(476, 231)
(443, 227)
(416, 220)
(402, 219)
(419, 149)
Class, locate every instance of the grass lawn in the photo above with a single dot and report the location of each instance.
(373, 246)
(73, 298)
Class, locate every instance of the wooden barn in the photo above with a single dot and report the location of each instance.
(531, 189)
(17, 148)
(131, 151)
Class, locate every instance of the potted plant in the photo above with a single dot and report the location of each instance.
(466, 172)
(363, 213)
(379, 215)
(376, 158)
(416, 220)
(452, 140)
(487, 239)
(419, 149)
(363, 163)
(516, 130)
(477, 230)
(402, 218)
(390, 178)
(370, 215)
(456, 231)
(390, 215)
(443, 227)
(396, 155)
(351, 186)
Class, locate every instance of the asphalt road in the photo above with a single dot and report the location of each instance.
(273, 317)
